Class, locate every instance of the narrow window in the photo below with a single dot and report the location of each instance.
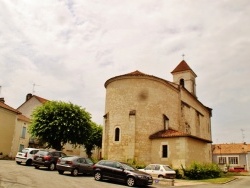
(23, 132)
(166, 122)
(164, 151)
(182, 82)
(117, 134)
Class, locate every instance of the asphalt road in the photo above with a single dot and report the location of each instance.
(13, 175)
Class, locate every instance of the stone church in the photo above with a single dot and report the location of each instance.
(151, 120)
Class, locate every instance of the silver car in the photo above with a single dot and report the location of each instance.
(160, 171)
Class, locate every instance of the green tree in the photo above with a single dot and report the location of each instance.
(56, 123)
(95, 140)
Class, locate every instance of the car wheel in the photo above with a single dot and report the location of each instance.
(98, 176)
(29, 162)
(60, 171)
(52, 166)
(131, 181)
(160, 176)
(36, 167)
(18, 162)
(74, 172)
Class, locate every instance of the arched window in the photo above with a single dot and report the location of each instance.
(182, 82)
(117, 134)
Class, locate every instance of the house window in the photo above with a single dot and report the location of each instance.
(164, 151)
(23, 132)
(233, 160)
(166, 122)
(21, 147)
(222, 160)
(117, 134)
(182, 82)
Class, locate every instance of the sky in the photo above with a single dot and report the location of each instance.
(65, 50)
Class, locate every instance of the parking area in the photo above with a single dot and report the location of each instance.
(13, 175)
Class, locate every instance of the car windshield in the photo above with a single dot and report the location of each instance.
(25, 150)
(167, 168)
(128, 167)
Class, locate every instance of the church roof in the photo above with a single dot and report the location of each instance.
(170, 133)
(183, 66)
(231, 148)
(137, 74)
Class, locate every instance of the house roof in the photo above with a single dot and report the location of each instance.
(236, 148)
(183, 66)
(40, 99)
(7, 107)
(30, 96)
(23, 118)
(170, 133)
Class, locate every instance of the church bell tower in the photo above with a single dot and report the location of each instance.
(183, 75)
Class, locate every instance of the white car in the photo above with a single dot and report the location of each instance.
(160, 171)
(26, 156)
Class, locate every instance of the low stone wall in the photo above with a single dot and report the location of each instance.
(163, 181)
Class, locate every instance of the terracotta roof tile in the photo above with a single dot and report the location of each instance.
(170, 133)
(231, 148)
(40, 99)
(137, 74)
(23, 118)
(183, 66)
(7, 107)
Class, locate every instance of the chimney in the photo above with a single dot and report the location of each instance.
(28, 96)
(2, 100)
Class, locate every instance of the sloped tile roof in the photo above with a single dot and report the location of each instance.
(7, 107)
(23, 118)
(139, 74)
(170, 133)
(236, 148)
(183, 66)
(40, 99)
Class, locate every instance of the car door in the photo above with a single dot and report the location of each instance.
(118, 172)
(85, 165)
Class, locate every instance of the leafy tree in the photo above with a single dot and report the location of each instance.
(95, 140)
(56, 123)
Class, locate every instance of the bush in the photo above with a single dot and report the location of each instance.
(198, 171)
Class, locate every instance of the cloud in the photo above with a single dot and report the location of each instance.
(68, 49)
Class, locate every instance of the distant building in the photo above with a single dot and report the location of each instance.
(151, 120)
(234, 157)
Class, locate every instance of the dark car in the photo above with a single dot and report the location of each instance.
(122, 172)
(75, 165)
(44, 158)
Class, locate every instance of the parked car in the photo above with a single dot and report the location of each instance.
(122, 172)
(26, 156)
(160, 171)
(45, 158)
(75, 165)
